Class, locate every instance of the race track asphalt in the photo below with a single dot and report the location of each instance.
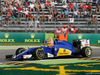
(4, 52)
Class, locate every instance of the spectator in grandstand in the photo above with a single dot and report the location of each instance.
(6, 20)
(37, 24)
(3, 10)
(66, 13)
(89, 8)
(34, 17)
(42, 1)
(42, 6)
(29, 16)
(9, 13)
(19, 10)
(65, 6)
(15, 13)
(19, 2)
(58, 1)
(94, 20)
(71, 6)
(15, 3)
(26, 1)
(10, 7)
(5, 3)
(98, 3)
(80, 14)
(90, 15)
(64, 1)
(64, 29)
(19, 20)
(51, 9)
(13, 19)
(94, 3)
(25, 13)
(80, 6)
(37, 5)
(87, 2)
(43, 17)
(52, 3)
(84, 7)
(33, 1)
(26, 4)
(58, 31)
(89, 21)
(31, 23)
(76, 13)
(32, 6)
(98, 6)
(0, 20)
(74, 30)
(61, 14)
(47, 4)
(85, 14)
(94, 13)
(56, 9)
(55, 16)
(50, 17)
(76, 6)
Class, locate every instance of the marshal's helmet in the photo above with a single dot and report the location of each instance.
(64, 26)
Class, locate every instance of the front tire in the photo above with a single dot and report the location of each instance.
(20, 50)
(38, 53)
(86, 52)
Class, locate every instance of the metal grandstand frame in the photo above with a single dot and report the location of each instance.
(44, 29)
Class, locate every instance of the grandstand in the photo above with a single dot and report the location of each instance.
(51, 26)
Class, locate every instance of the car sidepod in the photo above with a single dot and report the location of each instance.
(63, 48)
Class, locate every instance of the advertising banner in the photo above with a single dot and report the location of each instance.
(94, 38)
(22, 37)
(49, 35)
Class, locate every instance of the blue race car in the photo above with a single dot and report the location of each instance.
(60, 48)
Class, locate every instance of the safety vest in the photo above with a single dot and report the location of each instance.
(64, 30)
(58, 32)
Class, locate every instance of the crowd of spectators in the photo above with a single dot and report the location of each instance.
(15, 10)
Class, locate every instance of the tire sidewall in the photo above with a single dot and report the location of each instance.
(35, 53)
(84, 52)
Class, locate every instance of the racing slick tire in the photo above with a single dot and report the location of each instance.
(20, 50)
(38, 53)
(86, 52)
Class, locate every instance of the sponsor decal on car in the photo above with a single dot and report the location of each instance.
(63, 52)
(27, 56)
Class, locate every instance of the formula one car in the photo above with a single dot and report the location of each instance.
(60, 48)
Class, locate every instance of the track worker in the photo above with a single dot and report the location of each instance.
(74, 30)
(64, 30)
(57, 32)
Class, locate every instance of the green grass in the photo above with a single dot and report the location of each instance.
(10, 44)
(98, 45)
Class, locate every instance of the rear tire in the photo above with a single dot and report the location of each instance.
(20, 50)
(86, 52)
(38, 53)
